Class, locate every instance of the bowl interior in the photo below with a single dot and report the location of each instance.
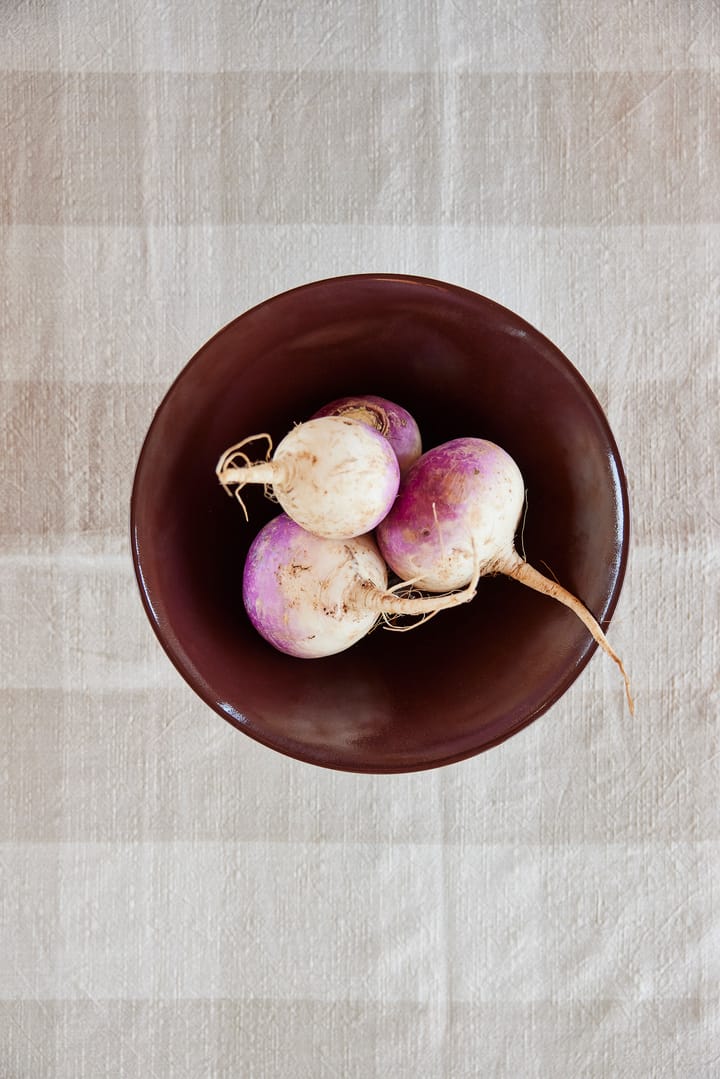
(463, 366)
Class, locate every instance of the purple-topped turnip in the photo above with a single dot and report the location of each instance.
(461, 503)
(391, 420)
(310, 596)
(334, 476)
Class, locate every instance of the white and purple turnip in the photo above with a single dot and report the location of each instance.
(456, 514)
(310, 596)
(391, 420)
(334, 476)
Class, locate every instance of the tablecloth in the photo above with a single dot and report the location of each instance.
(175, 899)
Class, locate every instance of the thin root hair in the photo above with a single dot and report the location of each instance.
(232, 454)
(238, 496)
(388, 618)
(550, 570)
(522, 526)
(235, 457)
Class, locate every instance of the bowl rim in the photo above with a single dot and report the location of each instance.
(194, 679)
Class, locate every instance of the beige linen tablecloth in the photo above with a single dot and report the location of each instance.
(175, 899)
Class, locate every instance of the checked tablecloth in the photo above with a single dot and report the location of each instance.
(176, 900)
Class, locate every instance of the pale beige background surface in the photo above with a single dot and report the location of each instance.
(174, 899)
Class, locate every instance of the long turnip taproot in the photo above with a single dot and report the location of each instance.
(310, 596)
(461, 503)
(334, 476)
(391, 420)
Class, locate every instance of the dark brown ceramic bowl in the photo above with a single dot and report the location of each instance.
(462, 365)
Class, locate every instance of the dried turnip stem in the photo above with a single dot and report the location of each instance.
(371, 416)
(522, 571)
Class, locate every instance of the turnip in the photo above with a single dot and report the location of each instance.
(335, 476)
(391, 420)
(310, 596)
(461, 503)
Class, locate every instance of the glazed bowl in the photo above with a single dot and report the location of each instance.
(462, 365)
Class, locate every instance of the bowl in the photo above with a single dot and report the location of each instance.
(462, 365)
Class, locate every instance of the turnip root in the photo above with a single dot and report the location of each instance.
(335, 476)
(391, 420)
(461, 503)
(310, 596)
